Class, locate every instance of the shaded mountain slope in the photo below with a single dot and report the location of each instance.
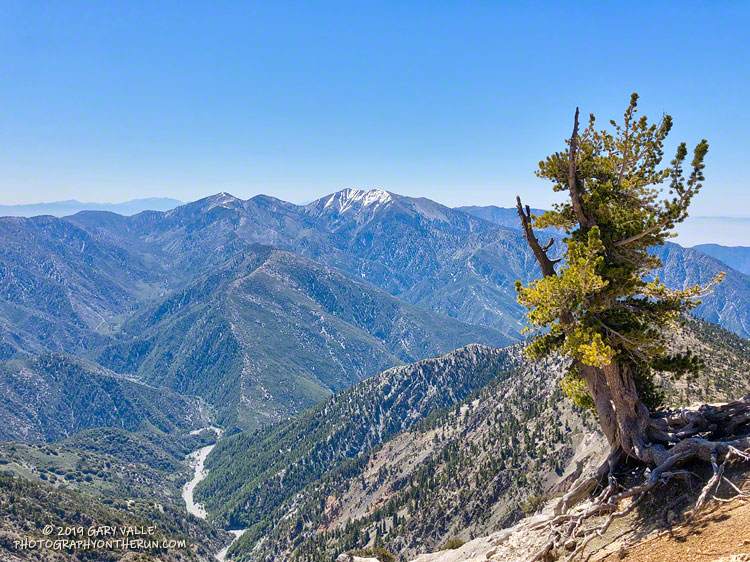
(52, 396)
(271, 333)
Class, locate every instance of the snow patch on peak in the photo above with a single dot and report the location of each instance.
(349, 198)
(224, 196)
(223, 199)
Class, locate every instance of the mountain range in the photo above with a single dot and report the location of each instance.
(262, 308)
(737, 257)
(362, 354)
(71, 206)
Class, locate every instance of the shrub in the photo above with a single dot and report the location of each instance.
(380, 553)
(533, 503)
(453, 544)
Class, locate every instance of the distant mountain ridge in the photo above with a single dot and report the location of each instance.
(737, 257)
(415, 249)
(503, 216)
(71, 206)
(727, 305)
(729, 231)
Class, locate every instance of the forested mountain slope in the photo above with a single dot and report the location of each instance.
(52, 396)
(270, 333)
(253, 473)
(463, 471)
(26, 507)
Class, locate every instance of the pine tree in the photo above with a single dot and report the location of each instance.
(598, 303)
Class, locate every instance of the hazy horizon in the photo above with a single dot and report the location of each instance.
(304, 202)
(697, 229)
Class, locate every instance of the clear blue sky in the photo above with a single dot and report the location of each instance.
(456, 101)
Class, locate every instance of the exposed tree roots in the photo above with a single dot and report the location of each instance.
(713, 434)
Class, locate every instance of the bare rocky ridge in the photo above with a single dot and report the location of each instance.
(657, 532)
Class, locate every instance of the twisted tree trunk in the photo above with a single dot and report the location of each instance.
(663, 440)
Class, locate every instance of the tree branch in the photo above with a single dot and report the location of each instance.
(547, 265)
(677, 210)
(626, 147)
(575, 196)
(661, 224)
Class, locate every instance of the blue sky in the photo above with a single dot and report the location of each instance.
(456, 101)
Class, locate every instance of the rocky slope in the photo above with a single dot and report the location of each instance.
(658, 530)
(461, 472)
(727, 304)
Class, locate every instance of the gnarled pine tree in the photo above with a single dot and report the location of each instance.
(599, 304)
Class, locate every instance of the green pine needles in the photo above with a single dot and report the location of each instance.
(602, 304)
